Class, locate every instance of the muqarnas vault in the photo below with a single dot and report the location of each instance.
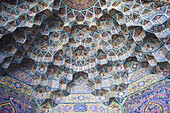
(89, 56)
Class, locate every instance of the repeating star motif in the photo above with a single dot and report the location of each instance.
(106, 49)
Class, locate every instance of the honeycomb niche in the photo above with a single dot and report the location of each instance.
(93, 56)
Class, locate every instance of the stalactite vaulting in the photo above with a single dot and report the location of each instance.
(93, 56)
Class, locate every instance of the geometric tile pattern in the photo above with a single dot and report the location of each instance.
(84, 55)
